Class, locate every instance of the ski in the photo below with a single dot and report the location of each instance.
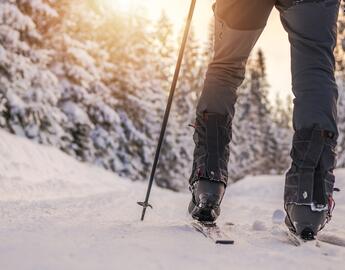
(331, 239)
(291, 238)
(294, 239)
(321, 238)
(279, 228)
(213, 232)
(298, 241)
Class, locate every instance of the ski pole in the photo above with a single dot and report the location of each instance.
(146, 204)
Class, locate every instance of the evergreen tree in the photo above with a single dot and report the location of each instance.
(281, 135)
(282, 111)
(29, 91)
(79, 73)
(98, 97)
(251, 147)
(165, 49)
(141, 94)
(178, 149)
(207, 54)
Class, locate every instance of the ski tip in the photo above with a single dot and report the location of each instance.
(225, 242)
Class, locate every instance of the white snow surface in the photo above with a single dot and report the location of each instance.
(58, 213)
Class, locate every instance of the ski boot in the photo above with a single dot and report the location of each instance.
(206, 199)
(211, 156)
(309, 184)
(306, 221)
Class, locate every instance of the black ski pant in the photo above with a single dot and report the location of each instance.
(311, 26)
(312, 29)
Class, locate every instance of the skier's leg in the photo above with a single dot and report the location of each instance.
(238, 25)
(311, 26)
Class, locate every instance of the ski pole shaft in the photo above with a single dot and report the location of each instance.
(146, 204)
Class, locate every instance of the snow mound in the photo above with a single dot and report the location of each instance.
(58, 213)
(29, 171)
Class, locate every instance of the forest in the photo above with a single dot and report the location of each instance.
(95, 83)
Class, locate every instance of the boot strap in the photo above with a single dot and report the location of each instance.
(308, 167)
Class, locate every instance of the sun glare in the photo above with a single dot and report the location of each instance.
(127, 5)
(115, 5)
(150, 9)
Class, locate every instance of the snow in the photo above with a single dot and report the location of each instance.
(58, 213)
(76, 114)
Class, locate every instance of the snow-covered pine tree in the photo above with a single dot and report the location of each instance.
(165, 48)
(141, 94)
(191, 80)
(251, 125)
(120, 143)
(28, 89)
(91, 74)
(282, 111)
(280, 135)
(209, 48)
(74, 65)
(207, 53)
(165, 53)
(174, 170)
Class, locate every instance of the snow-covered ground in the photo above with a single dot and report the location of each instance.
(59, 214)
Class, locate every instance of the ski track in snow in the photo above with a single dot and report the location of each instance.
(57, 213)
